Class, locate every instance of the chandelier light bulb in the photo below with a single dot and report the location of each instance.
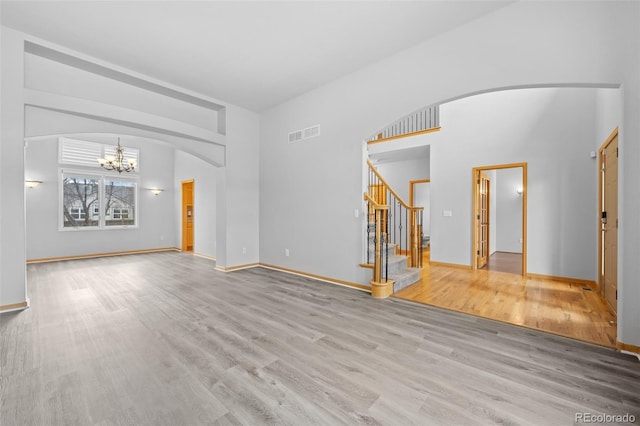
(118, 162)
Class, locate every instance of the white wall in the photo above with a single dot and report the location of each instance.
(508, 205)
(12, 218)
(204, 175)
(309, 190)
(608, 113)
(399, 173)
(422, 198)
(43, 206)
(237, 196)
(551, 130)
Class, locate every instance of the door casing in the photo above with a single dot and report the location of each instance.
(474, 210)
(604, 269)
(483, 223)
(187, 215)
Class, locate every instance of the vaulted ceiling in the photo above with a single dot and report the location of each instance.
(252, 54)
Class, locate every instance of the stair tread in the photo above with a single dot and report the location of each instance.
(406, 272)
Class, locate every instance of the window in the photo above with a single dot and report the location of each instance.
(94, 198)
(80, 195)
(76, 213)
(120, 198)
(83, 194)
(120, 214)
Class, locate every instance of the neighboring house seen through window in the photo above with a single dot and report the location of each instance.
(95, 199)
(84, 194)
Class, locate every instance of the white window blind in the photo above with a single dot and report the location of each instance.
(83, 153)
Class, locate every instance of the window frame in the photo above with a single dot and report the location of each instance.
(101, 178)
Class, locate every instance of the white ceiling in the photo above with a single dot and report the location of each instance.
(252, 54)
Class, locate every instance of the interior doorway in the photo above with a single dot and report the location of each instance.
(187, 215)
(500, 188)
(483, 223)
(608, 232)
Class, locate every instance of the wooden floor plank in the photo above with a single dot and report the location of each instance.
(564, 308)
(169, 340)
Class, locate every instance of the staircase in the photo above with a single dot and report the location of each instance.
(397, 270)
(394, 230)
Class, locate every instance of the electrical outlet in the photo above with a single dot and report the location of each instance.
(161, 237)
(286, 252)
(244, 250)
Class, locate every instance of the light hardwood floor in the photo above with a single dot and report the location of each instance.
(505, 262)
(164, 339)
(553, 306)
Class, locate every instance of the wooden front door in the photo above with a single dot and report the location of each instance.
(610, 222)
(483, 186)
(187, 215)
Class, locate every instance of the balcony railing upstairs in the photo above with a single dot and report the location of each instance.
(424, 120)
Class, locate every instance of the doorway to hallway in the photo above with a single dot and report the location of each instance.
(187, 215)
(499, 218)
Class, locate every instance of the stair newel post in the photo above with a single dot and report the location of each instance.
(379, 289)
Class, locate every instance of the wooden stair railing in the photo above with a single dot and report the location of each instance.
(410, 241)
(395, 226)
(381, 286)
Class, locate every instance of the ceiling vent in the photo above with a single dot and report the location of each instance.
(308, 133)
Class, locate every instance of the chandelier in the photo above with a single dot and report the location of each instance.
(118, 163)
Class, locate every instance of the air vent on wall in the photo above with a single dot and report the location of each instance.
(308, 133)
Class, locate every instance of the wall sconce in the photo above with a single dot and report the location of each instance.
(156, 191)
(32, 183)
(519, 190)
